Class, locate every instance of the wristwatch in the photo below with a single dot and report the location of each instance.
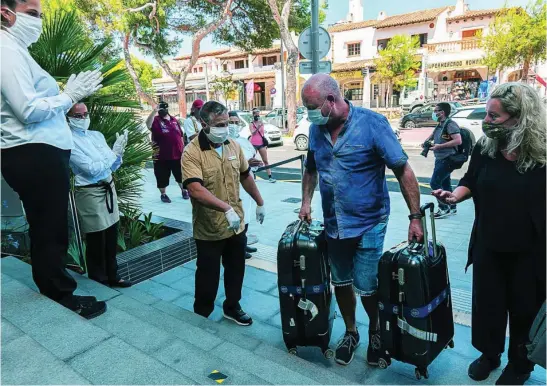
(415, 216)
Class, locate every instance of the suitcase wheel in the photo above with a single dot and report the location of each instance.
(293, 351)
(421, 372)
(451, 344)
(328, 353)
(384, 363)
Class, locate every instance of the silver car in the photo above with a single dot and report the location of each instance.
(272, 133)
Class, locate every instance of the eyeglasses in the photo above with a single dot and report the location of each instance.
(79, 116)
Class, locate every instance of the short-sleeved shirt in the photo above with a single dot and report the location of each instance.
(352, 179)
(167, 136)
(442, 134)
(257, 133)
(191, 127)
(220, 175)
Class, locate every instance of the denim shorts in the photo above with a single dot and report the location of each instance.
(355, 261)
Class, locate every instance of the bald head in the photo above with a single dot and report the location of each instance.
(79, 110)
(322, 94)
(320, 86)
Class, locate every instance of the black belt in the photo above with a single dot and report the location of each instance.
(107, 186)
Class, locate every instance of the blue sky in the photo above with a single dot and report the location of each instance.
(339, 8)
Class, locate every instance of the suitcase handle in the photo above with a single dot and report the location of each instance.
(423, 210)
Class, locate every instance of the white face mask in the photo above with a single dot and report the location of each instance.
(218, 135)
(79, 124)
(233, 130)
(26, 28)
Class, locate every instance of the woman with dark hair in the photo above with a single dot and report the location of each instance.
(259, 141)
(506, 179)
(36, 144)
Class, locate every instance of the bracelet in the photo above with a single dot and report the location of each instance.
(415, 216)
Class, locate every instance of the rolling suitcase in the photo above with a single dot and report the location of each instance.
(305, 295)
(416, 321)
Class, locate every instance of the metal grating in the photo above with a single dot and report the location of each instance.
(292, 200)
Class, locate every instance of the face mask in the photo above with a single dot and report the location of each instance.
(163, 113)
(435, 117)
(496, 130)
(233, 130)
(316, 117)
(218, 135)
(79, 124)
(256, 118)
(26, 28)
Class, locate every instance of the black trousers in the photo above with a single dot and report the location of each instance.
(101, 255)
(505, 285)
(210, 254)
(39, 173)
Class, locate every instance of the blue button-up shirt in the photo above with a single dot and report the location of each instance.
(91, 159)
(352, 177)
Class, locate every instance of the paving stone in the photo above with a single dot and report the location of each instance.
(15, 268)
(190, 265)
(173, 275)
(139, 295)
(259, 280)
(132, 330)
(198, 364)
(257, 304)
(299, 365)
(275, 320)
(115, 362)
(274, 292)
(9, 332)
(5, 278)
(25, 362)
(167, 323)
(88, 287)
(187, 286)
(264, 368)
(259, 330)
(58, 329)
(158, 290)
(187, 302)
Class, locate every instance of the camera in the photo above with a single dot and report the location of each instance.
(426, 146)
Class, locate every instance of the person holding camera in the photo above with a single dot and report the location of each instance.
(446, 138)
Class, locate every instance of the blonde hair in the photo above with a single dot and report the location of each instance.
(522, 102)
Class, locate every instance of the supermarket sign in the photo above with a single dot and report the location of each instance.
(456, 64)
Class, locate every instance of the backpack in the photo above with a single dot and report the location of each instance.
(463, 151)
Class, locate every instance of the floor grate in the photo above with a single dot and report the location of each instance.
(292, 200)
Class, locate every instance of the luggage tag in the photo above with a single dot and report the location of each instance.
(306, 305)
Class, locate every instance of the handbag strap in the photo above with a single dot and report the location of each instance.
(258, 131)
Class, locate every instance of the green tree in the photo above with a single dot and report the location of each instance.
(146, 72)
(517, 37)
(397, 63)
(224, 86)
(65, 48)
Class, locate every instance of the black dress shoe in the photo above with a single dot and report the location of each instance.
(248, 256)
(121, 284)
(239, 316)
(84, 299)
(481, 368)
(510, 376)
(89, 310)
(250, 249)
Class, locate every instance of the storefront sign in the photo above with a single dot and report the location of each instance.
(456, 64)
(346, 75)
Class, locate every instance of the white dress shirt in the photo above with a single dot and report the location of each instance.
(91, 159)
(191, 126)
(246, 200)
(32, 110)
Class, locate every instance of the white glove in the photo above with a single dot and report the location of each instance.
(260, 214)
(83, 85)
(119, 145)
(234, 221)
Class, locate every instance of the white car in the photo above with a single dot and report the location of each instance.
(301, 133)
(271, 132)
(470, 118)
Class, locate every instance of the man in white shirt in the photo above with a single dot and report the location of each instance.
(192, 124)
(36, 143)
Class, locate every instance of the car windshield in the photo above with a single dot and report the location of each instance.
(246, 117)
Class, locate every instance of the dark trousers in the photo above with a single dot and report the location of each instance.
(101, 255)
(441, 179)
(40, 175)
(210, 253)
(505, 286)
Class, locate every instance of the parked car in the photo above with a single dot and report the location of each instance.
(272, 133)
(302, 132)
(471, 117)
(423, 116)
(275, 117)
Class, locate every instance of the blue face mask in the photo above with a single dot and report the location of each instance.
(435, 117)
(316, 117)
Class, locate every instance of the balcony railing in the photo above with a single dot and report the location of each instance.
(457, 46)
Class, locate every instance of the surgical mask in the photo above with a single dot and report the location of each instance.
(26, 28)
(218, 135)
(435, 117)
(79, 124)
(316, 117)
(233, 130)
(256, 118)
(163, 113)
(496, 130)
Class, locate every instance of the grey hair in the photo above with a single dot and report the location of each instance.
(324, 84)
(528, 138)
(211, 109)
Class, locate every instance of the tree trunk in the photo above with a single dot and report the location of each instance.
(143, 96)
(525, 70)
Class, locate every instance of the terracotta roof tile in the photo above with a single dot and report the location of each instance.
(352, 26)
(352, 66)
(472, 14)
(203, 54)
(240, 54)
(255, 75)
(412, 17)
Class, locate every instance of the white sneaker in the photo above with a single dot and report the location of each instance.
(441, 213)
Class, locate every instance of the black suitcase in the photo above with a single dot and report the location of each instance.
(416, 321)
(305, 294)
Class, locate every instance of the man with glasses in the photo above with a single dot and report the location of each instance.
(446, 138)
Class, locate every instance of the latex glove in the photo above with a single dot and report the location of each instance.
(260, 214)
(83, 85)
(119, 145)
(234, 221)
(125, 138)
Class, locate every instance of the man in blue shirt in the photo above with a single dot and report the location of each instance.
(349, 150)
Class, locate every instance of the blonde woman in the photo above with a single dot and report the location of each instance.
(506, 179)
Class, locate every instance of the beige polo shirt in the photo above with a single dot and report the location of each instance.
(220, 175)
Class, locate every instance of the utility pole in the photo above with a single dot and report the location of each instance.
(282, 86)
(314, 35)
